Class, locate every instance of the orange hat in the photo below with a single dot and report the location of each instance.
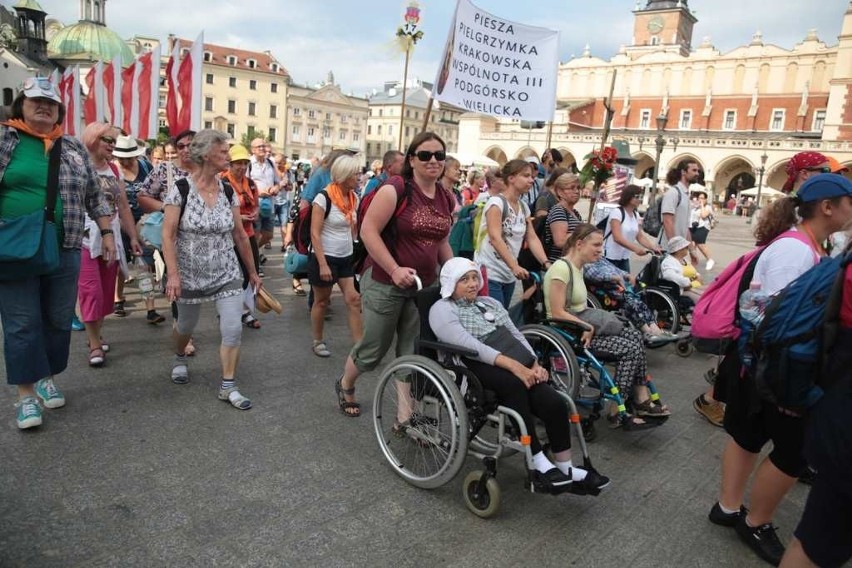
(836, 167)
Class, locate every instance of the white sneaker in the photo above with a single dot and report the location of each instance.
(710, 264)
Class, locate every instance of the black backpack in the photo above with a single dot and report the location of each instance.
(653, 221)
(183, 188)
(302, 225)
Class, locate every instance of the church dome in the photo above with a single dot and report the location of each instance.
(88, 41)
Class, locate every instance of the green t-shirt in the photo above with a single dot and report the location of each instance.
(575, 300)
(23, 189)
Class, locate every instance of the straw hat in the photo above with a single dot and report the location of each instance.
(266, 302)
(127, 147)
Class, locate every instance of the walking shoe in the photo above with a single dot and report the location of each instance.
(553, 480)
(154, 318)
(50, 395)
(29, 412)
(233, 396)
(713, 412)
(118, 309)
(262, 258)
(595, 481)
(762, 540)
(180, 370)
(76, 324)
(710, 264)
(718, 517)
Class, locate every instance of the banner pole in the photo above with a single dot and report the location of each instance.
(404, 88)
(604, 136)
(428, 113)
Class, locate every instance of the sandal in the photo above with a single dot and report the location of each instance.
(250, 321)
(118, 309)
(233, 396)
(350, 409)
(104, 345)
(629, 423)
(651, 410)
(96, 357)
(180, 371)
(321, 349)
(404, 430)
(298, 290)
(189, 350)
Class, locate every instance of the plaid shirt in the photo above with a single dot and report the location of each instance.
(472, 316)
(156, 182)
(78, 185)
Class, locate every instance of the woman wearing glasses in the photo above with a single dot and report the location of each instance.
(402, 248)
(96, 285)
(624, 234)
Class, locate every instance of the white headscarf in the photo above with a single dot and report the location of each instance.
(452, 272)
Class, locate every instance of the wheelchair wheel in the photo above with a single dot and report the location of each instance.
(429, 448)
(483, 503)
(592, 301)
(555, 354)
(685, 348)
(664, 308)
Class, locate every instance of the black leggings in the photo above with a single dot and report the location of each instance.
(541, 401)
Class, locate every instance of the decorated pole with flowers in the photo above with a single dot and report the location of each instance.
(407, 35)
(601, 153)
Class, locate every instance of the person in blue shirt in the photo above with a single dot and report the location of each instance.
(391, 166)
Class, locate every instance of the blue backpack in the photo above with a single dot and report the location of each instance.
(794, 341)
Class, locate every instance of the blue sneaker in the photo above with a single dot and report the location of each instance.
(76, 324)
(50, 395)
(29, 412)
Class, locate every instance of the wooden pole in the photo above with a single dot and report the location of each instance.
(404, 87)
(427, 114)
(549, 134)
(604, 135)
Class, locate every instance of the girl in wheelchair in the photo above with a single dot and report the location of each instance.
(507, 366)
(565, 296)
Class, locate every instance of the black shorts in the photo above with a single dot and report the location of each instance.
(827, 521)
(752, 422)
(699, 235)
(340, 268)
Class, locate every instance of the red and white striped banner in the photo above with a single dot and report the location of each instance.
(93, 109)
(185, 85)
(112, 90)
(69, 92)
(140, 95)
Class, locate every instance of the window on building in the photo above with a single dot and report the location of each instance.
(416, 115)
(251, 63)
(273, 134)
(232, 106)
(380, 112)
(390, 129)
(208, 125)
(407, 130)
(295, 133)
(274, 68)
(655, 40)
(343, 119)
(252, 85)
(777, 119)
(208, 56)
(342, 136)
(162, 101)
(408, 113)
(273, 111)
(369, 129)
(312, 135)
(251, 130)
(273, 87)
(685, 119)
(162, 123)
(184, 51)
(356, 136)
(297, 111)
(252, 107)
(208, 104)
(819, 120)
(232, 60)
(730, 120)
(232, 81)
(379, 130)
(370, 112)
(312, 114)
(645, 118)
(209, 78)
(326, 133)
(328, 116)
(369, 148)
(231, 129)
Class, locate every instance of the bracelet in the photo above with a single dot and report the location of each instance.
(105, 232)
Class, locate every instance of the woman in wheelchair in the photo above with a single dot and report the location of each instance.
(506, 365)
(677, 269)
(565, 295)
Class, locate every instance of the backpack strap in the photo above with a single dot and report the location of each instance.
(53, 164)
(183, 188)
(609, 225)
(325, 194)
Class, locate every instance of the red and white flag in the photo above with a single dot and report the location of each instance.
(69, 92)
(112, 90)
(140, 93)
(172, 97)
(94, 108)
(188, 84)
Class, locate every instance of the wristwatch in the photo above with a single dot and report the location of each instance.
(105, 232)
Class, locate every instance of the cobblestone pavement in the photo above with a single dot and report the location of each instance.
(136, 471)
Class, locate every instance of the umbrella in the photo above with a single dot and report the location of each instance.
(643, 182)
(765, 192)
(468, 160)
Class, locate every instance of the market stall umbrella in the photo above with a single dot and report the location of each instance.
(469, 160)
(766, 193)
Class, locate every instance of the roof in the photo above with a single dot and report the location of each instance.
(415, 97)
(264, 60)
(28, 5)
(88, 41)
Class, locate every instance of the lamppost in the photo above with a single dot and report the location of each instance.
(760, 171)
(660, 143)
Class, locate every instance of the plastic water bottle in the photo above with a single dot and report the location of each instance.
(144, 279)
(752, 304)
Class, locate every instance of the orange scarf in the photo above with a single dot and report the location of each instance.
(48, 138)
(242, 188)
(346, 203)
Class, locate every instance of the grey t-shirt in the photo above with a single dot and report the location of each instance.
(681, 212)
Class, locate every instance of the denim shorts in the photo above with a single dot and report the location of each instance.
(281, 214)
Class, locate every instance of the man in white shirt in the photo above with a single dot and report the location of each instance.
(262, 171)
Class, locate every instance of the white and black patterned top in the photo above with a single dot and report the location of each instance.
(206, 258)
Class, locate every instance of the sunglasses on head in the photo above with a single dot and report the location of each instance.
(822, 170)
(107, 139)
(40, 82)
(426, 155)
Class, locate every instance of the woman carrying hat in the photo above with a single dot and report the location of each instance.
(36, 311)
(506, 364)
(133, 169)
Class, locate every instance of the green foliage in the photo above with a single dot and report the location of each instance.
(251, 135)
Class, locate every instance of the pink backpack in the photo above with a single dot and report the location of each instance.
(714, 320)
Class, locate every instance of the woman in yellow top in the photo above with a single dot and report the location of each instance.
(565, 298)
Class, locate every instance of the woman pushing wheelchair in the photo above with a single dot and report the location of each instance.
(507, 366)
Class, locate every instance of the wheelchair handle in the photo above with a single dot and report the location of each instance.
(418, 282)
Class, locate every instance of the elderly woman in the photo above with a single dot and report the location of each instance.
(201, 228)
(333, 226)
(473, 187)
(96, 285)
(565, 299)
(562, 218)
(37, 309)
(397, 258)
(506, 364)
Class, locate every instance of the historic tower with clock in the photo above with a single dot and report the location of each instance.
(663, 25)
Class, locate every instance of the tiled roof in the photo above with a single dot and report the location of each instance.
(219, 56)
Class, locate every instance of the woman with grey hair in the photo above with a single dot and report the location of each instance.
(333, 226)
(201, 231)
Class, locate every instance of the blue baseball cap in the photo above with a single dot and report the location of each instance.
(824, 186)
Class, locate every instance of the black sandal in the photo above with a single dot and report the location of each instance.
(629, 423)
(298, 290)
(250, 321)
(648, 409)
(344, 405)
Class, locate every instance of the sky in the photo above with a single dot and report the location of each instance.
(354, 39)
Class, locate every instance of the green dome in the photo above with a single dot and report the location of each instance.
(88, 41)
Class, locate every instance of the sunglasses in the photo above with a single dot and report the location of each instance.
(426, 155)
(822, 170)
(107, 139)
(183, 146)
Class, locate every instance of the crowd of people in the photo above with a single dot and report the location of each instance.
(218, 204)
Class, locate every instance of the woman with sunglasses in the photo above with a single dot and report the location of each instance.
(624, 234)
(397, 259)
(565, 296)
(96, 285)
(36, 311)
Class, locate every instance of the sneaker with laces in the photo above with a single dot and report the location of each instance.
(50, 396)
(710, 264)
(28, 412)
(713, 412)
(718, 517)
(762, 540)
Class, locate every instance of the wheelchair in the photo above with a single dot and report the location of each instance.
(453, 416)
(576, 370)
